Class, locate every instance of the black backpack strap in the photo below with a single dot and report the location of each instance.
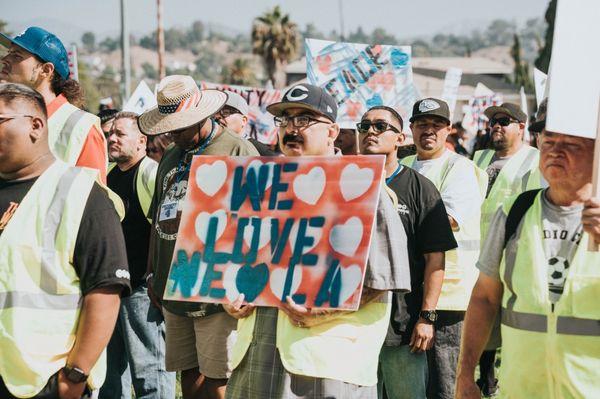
(518, 209)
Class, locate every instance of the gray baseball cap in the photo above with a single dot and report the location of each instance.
(236, 101)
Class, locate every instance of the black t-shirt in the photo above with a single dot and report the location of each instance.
(136, 228)
(428, 230)
(99, 256)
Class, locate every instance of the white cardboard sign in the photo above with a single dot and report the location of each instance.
(574, 75)
(141, 100)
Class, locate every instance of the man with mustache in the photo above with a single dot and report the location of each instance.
(38, 59)
(135, 353)
(512, 167)
(199, 336)
(295, 352)
(536, 268)
(429, 235)
(462, 186)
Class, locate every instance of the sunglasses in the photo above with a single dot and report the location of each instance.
(505, 121)
(379, 127)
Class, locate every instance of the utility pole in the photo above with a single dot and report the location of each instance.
(341, 20)
(125, 58)
(160, 35)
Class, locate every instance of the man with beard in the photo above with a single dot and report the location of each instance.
(198, 335)
(429, 235)
(300, 353)
(512, 167)
(38, 59)
(135, 353)
(462, 186)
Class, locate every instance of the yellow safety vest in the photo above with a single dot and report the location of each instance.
(68, 128)
(460, 273)
(40, 295)
(550, 354)
(319, 351)
(520, 173)
(145, 181)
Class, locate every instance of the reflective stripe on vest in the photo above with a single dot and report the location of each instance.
(483, 158)
(460, 272)
(61, 144)
(560, 341)
(40, 294)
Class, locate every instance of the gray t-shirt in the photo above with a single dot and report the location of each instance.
(493, 170)
(562, 231)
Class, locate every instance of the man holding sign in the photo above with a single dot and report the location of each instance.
(197, 335)
(536, 267)
(288, 353)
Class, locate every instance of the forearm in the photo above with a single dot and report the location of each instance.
(478, 324)
(96, 324)
(434, 278)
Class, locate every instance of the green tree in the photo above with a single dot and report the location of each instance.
(109, 44)
(208, 65)
(542, 62)
(149, 71)
(521, 73)
(358, 36)
(381, 36)
(196, 32)
(3, 29)
(88, 39)
(239, 72)
(312, 32)
(276, 39)
(91, 93)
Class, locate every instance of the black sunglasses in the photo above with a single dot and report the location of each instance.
(505, 121)
(378, 127)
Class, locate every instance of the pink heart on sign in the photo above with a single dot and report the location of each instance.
(324, 63)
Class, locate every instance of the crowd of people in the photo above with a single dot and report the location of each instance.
(467, 255)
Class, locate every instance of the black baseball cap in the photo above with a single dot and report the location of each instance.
(540, 117)
(309, 97)
(107, 114)
(510, 109)
(431, 107)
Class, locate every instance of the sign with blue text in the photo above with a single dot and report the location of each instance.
(273, 227)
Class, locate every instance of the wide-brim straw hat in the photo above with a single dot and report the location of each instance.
(181, 104)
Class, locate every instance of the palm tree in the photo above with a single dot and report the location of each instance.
(239, 72)
(276, 39)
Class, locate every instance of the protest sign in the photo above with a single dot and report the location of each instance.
(574, 78)
(260, 123)
(482, 98)
(451, 84)
(141, 100)
(73, 63)
(270, 228)
(360, 76)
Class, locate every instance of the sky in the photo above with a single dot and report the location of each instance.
(403, 18)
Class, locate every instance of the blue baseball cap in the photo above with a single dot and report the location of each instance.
(42, 44)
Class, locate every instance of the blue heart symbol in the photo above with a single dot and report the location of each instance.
(251, 281)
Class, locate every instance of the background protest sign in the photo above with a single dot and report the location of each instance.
(360, 76)
(260, 123)
(276, 227)
(482, 98)
(451, 83)
(141, 100)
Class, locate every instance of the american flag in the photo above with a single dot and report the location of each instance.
(189, 103)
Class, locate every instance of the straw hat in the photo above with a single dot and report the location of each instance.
(180, 105)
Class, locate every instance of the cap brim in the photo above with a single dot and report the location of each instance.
(153, 123)
(495, 109)
(413, 118)
(277, 109)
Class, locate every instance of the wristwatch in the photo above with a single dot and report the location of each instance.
(429, 315)
(74, 374)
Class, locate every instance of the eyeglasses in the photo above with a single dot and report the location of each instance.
(379, 127)
(297, 121)
(227, 112)
(6, 117)
(502, 121)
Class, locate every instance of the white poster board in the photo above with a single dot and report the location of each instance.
(451, 83)
(539, 78)
(141, 100)
(574, 75)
